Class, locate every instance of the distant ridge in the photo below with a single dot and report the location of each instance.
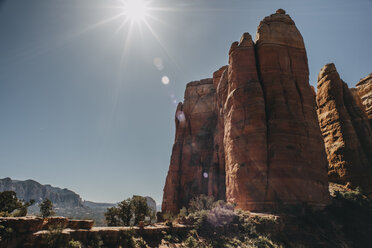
(32, 190)
(66, 203)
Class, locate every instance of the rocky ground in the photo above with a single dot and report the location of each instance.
(346, 222)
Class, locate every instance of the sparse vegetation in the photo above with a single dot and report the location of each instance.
(55, 238)
(10, 205)
(74, 244)
(129, 212)
(46, 208)
(218, 225)
(353, 196)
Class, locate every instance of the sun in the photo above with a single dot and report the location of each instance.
(136, 10)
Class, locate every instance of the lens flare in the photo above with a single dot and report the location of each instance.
(165, 80)
(136, 10)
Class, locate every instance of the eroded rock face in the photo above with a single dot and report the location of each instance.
(258, 119)
(193, 170)
(346, 131)
(364, 90)
(245, 130)
(296, 162)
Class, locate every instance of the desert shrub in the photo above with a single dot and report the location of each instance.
(127, 240)
(140, 209)
(46, 208)
(95, 241)
(172, 237)
(10, 205)
(221, 215)
(169, 218)
(353, 197)
(5, 214)
(183, 213)
(191, 242)
(139, 242)
(5, 233)
(263, 242)
(201, 202)
(55, 237)
(112, 217)
(74, 244)
(129, 212)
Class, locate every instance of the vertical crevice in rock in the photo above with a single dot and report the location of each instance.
(293, 134)
(346, 131)
(245, 129)
(194, 148)
(254, 127)
(364, 91)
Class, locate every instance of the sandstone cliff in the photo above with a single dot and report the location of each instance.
(32, 190)
(364, 91)
(251, 134)
(346, 131)
(193, 170)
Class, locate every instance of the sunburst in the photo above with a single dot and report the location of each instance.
(136, 10)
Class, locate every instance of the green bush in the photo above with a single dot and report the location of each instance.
(10, 205)
(129, 212)
(46, 208)
(191, 242)
(201, 202)
(354, 197)
(74, 244)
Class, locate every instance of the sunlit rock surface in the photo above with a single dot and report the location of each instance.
(346, 131)
(364, 91)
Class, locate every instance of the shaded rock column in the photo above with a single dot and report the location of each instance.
(193, 170)
(219, 149)
(296, 161)
(172, 186)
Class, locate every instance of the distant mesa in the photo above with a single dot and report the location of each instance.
(32, 190)
(66, 202)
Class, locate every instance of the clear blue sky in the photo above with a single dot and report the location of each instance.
(82, 106)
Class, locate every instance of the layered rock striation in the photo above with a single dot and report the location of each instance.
(346, 131)
(251, 133)
(364, 95)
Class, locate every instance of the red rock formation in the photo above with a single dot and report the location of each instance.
(245, 128)
(346, 131)
(194, 169)
(257, 123)
(296, 162)
(364, 90)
